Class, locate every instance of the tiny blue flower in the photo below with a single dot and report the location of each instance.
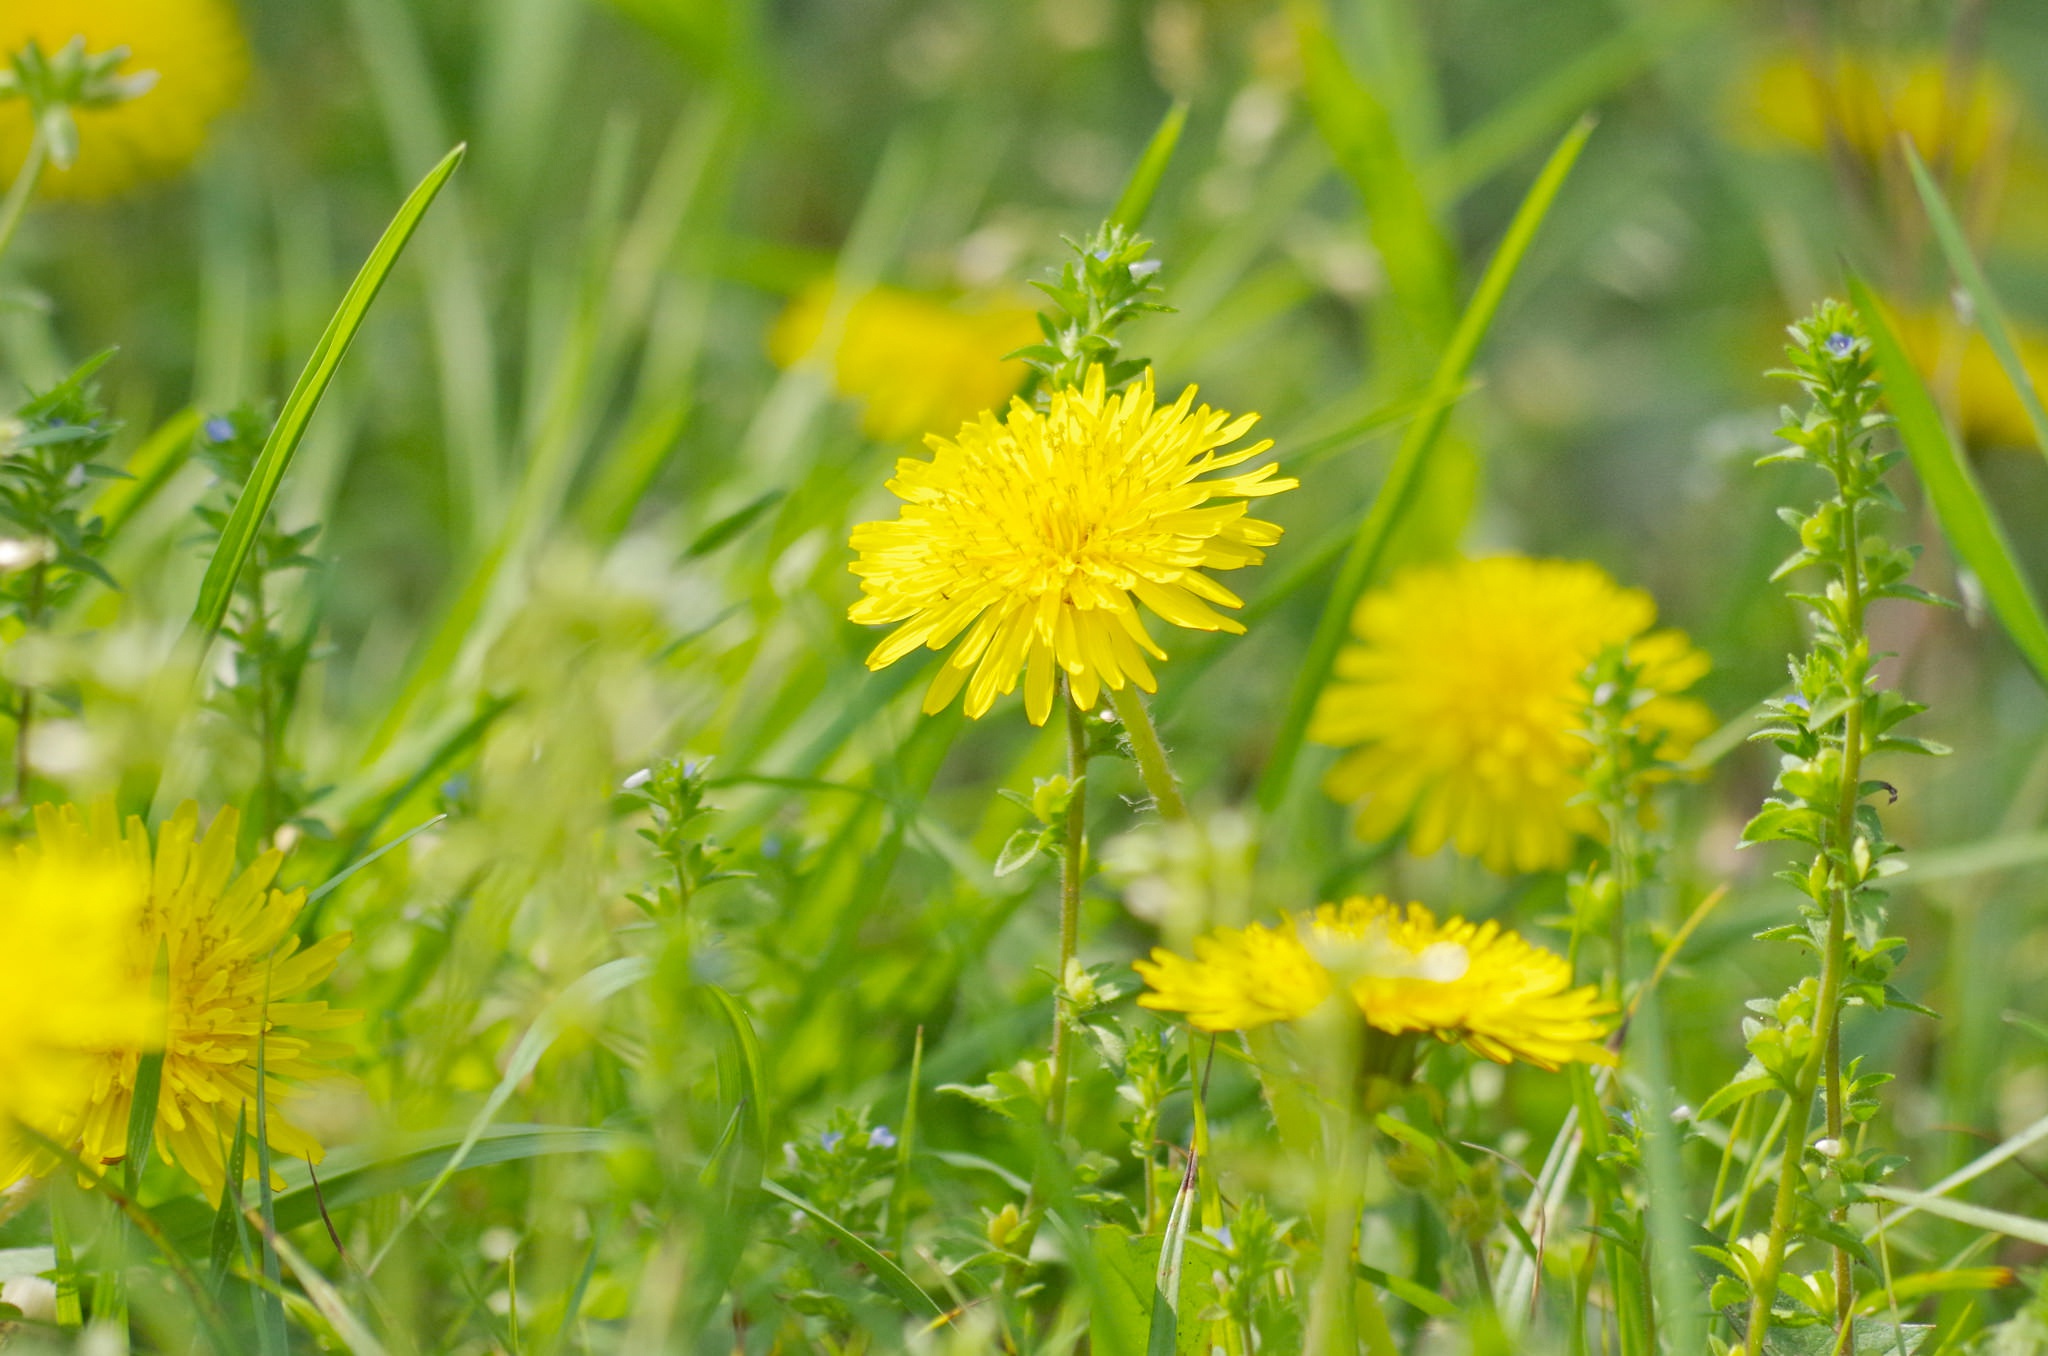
(830, 1139)
(219, 430)
(881, 1137)
(1839, 344)
(1221, 1233)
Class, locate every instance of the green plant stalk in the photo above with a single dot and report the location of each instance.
(1071, 866)
(15, 205)
(25, 714)
(1824, 1061)
(1150, 753)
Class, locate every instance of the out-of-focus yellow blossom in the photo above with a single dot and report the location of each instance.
(67, 990)
(1987, 407)
(1464, 700)
(1464, 983)
(916, 364)
(235, 975)
(1868, 101)
(195, 49)
(1045, 532)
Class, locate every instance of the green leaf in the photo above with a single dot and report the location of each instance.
(1407, 1291)
(1966, 519)
(1990, 314)
(893, 1278)
(239, 536)
(1369, 545)
(2022, 1227)
(1873, 1338)
(1165, 1328)
(1143, 185)
(1740, 1090)
(1120, 1313)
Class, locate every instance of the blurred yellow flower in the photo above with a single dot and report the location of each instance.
(67, 989)
(228, 941)
(1470, 984)
(915, 363)
(1463, 700)
(1045, 532)
(1987, 408)
(194, 47)
(1868, 101)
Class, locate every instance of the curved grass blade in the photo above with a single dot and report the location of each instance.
(239, 536)
(1966, 519)
(1136, 199)
(894, 1279)
(2022, 1227)
(1376, 529)
(1165, 1331)
(150, 466)
(1990, 315)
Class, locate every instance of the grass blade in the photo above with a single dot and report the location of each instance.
(150, 466)
(1421, 267)
(1369, 546)
(1966, 519)
(270, 1330)
(1990, 315)
(2022, 1227)
(899, 1192)
(894, 1279)
(239, 536)
(226, 1238)
(1165, 1330)
(1136, 199)
(352, 1331)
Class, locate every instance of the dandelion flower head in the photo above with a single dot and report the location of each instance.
(915, 363)
(1038, 536)
(67, 990)
(1868, 102)
(194, 48)
(1463, 700)
(235, 976)
(1470, 984)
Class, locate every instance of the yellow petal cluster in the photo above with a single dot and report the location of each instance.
(1868, 102)
(195, 49)
(1470, 984)
(234, 976)
(67, 990)
(1463, 701)
(915, 363)
(1037, 537)
(1960, 366)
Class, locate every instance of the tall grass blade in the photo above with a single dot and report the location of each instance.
(239, 536)
(1966, 519)
(227, 1238)
(352, 1331)
(1421, 267)
(2023, 1227)
(1165, 1330)
(154, 461)
(1136, 199)
(270, 1331)
(1375, 530)
(906, 1142)
(1990, 314)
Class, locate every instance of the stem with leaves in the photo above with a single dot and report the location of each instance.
(1836, 716)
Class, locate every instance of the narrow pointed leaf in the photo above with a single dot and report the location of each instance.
(1966, 518)
(239, 536)
(1136, 199)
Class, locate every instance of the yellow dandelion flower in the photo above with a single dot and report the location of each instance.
(1471, 984)
(1463, 701)
(67, 991)
(194, 47)
(1044, 532)
(915, 363)
(1988, 409)
(1868, 101)
(230, 949)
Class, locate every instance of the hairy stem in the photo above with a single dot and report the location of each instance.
(1150, 753)
(1071, 865)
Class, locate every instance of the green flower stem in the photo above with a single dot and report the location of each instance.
(1823, 1063)
(15, 205)
(1073, 862)
(24, 715)
(1150, 753)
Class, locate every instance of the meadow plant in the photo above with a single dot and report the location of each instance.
(565, 837)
